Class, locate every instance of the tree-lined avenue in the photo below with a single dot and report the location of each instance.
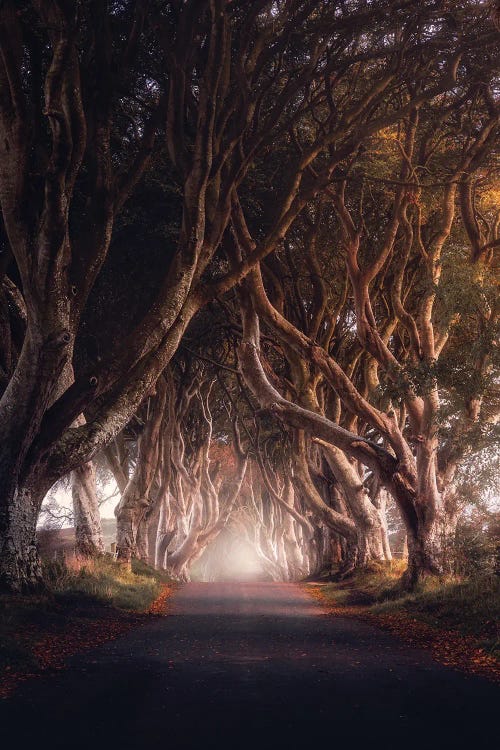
(251, 664)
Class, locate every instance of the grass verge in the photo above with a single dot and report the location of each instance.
(105, 581)
(84, 605)
(457, 620)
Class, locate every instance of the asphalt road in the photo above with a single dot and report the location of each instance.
(237, 665)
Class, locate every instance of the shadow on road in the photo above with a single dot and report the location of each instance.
(252, 665)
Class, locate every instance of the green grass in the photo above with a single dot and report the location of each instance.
(107, 582)
(377, 582)
(76, 594)
(471, 607)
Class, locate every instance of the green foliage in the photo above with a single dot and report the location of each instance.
(476, 549)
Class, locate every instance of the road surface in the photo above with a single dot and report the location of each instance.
(260, 665)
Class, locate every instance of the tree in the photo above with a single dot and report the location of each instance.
(89, 100)
(403, 320)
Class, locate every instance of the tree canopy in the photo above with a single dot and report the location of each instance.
(248, 259)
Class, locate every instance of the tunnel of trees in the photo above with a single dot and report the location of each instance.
(247, 270)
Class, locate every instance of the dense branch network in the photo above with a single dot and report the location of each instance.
(231, 225)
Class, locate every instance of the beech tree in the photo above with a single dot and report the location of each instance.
(92, 94)
(394, 266)
(56, 113)
(360, 522)
(288, 548)
(200, 479)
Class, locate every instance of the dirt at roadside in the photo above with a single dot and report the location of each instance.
(447, 646)
(47, 640)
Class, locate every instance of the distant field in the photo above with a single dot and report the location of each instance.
(63, 540)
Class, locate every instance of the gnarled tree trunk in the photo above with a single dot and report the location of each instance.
(87, 519)
(20, 567)
(136, 500)
(371, 536)
(23, 404)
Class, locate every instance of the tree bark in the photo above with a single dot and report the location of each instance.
(20, 566)
(370, 531)
(88, 529)
(22, 406)
(136, 500)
